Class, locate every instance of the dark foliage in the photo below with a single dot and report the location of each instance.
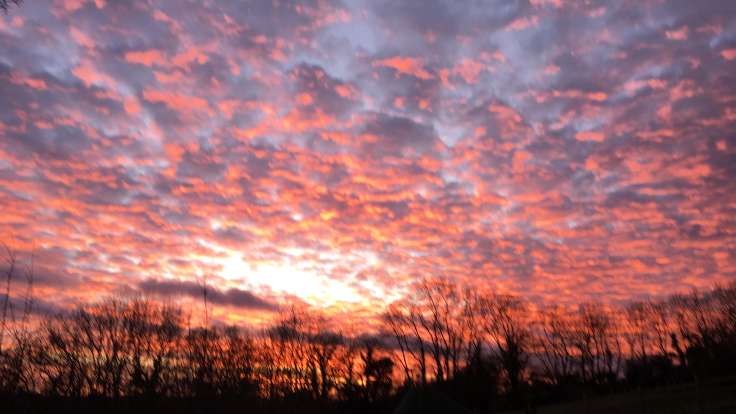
(483, 352)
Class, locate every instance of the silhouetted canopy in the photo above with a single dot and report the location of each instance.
(421, 401)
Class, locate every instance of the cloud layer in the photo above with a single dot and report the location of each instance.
(337, 151)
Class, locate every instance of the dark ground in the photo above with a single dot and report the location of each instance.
(712, 397)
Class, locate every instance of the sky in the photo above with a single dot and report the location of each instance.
(336, 152)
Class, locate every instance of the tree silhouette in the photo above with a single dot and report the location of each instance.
(483, 350)
(506, 323)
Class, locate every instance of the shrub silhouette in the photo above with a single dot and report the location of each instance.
(484, 351)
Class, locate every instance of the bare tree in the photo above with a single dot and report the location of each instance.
(7, 311)
(462, 342)
(85, 353)
(322, 361)
(506, 322)
(238, 364)
(16, 374)
(705, 333)
(445, 325)
(154, 340)
(406, 321)
(556, 344)
(637, 333)
(289, 348)
(376, 372)
(598, 342)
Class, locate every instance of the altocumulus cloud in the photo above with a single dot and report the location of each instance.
(563, 150)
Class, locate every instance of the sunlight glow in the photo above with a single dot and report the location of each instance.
(288, 279)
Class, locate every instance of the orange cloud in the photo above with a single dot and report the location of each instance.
(590, 136)
(81, 38)
(184, 59)
(176, 101)
(146, 58)
(468, 70)
(131, 105)
(406, 65)
(551, 70)
(523, 23)
(729, 54)
(538, 3)
(679, 34)
(283, 149)
(90, 75)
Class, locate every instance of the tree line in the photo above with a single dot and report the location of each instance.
(487, 351)
(466, 342)
(141, 350)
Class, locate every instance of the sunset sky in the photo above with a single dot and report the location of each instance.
(333, 152)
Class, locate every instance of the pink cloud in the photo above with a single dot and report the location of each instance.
(729, 54)
(556, 3)
(523, 23)
(176, 101)
(367, 147)
(146, 58)
(679, 34)
(405, 65)
(590, 136)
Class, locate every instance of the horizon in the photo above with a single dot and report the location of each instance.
(335, 153)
